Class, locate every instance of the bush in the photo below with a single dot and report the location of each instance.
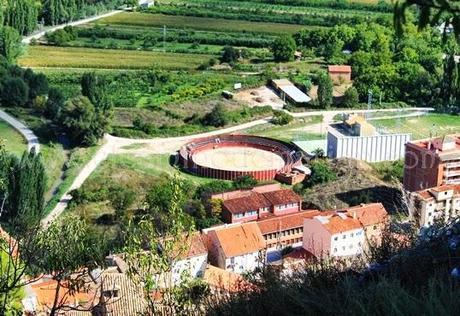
(321, 172)
(281, 118)
(218, 117)
(351, 97)
(244, 182)
(229, 55)
(283, 48)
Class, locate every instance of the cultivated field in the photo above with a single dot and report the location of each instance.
(12, 140)
(198, 23)
(72, 57)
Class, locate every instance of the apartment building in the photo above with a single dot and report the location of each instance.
(436, 205)
(432, 162)
(335, 234)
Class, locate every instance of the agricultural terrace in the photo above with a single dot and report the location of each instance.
(69, 57)
(12, 140)
(197, 23)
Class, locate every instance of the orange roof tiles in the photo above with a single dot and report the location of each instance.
(196, 246)
(45, 292)
(426, 195)
(224, 280)
(336, 224)
(339, 68)
(240, 239)
(369, 214)
(285, 222)
(283, 196)
(252, 202)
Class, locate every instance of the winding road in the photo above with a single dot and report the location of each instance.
(118, 145)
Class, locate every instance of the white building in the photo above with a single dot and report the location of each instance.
(192, 263)
(355, 138)
(236, 247)
(436, 205)
(334, 234)
(144, 4)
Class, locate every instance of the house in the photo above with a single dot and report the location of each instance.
(282, 231)
(223, 282)
(339, 73)
(435, 205)
(432, 162)
(192, 261)
(355, 138)
(334, 234)
(256, 204)
(145, 4)
(288, 92)
(373, 218)
(236, 247)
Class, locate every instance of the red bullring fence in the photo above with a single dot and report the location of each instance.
(290, 156)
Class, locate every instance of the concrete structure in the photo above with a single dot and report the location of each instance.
(254, 205)
(355, 138)
(262, 158)
(237, 247)
(437, 205)
(333, 234)
(288, 92)
(432, 162)
(145, 4)
(339, 73)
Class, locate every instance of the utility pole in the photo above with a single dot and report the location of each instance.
(369, 102)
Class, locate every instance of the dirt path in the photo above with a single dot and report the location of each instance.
(118, 145)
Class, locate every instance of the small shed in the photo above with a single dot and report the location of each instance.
(287, 91)
(339, 73)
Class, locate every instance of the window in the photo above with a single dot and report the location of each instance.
(110, 293)
(336, 238)
(335, 249)
(239, 215)
(375, 227)
(344, 236)
(351, 235)
(232, 260)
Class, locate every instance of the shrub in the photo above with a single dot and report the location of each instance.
(321, 172)
(283, 48)
(281, 118)
(244, 182)
(351, 97)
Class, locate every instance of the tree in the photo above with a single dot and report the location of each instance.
(351, 97)
(325, 89)
(21, 15)
(82, 123)
(10, 43)
(281, 118)
(54, 104)
(69, 250)
(95, 87)
(37, 83)
(283, 48)
(121, 199)
(244, 182)
(321, 173)
(15, 92)
(218, 117)
(229, 55)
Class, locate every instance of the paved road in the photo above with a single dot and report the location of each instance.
(118, 145)
(28, 39)
(32, 140)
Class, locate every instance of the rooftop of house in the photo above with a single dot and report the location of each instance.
(195, 246)
(368, 214)
(443, 146)
(285, 222)
(336, 223)
(339, 68)
(237, 240)
(224, 280)
(429, 194)
(253, 201)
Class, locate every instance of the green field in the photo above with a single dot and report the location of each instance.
(12, 140)
(73, 57)
(421, 127)
(198, 23)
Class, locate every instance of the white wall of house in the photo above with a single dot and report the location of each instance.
(193, 267)
(349, 243)
(244, 263)
(439, 210)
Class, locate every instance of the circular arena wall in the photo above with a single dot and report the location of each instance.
(228, 157)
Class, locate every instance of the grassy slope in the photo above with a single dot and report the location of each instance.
(438, 124)
(13, 141)
(207, 24)
(68, 57)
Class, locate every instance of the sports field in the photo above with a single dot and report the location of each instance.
(198, 23)
(73, 57)
(238, 159)
(12, 140)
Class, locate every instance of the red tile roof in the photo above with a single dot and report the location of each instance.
(426, 195)
(339, 68)
(285, 222)
(196, 246)
(369, 214)
(240, 239)
(252, 202)
(284, 196)
(338, 223)
(224, 280)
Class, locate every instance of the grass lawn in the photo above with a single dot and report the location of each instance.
(77, 57)
(437, 124)
(291, 132)
(198, 23)
(13, 141)
(153, 165)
